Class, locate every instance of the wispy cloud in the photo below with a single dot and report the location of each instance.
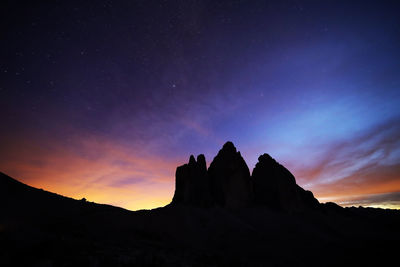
(351, 172)
(366, 164)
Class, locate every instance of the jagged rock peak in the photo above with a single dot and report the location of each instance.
(201, 162)
(229, 147)
(266, 163)
(228, 152)
(230, 178)
(192, 161)
(266, 158)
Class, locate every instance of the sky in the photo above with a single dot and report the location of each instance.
(104, 99)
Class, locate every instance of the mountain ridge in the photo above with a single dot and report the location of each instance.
(228, 183)
(202, 226)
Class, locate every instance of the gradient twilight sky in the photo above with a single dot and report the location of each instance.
(103, 100)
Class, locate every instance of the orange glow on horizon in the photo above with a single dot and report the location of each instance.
(106, 172)
(100, 171)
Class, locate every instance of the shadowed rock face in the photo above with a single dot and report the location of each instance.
(227, 183)
(230, 178)
(191, 184)
(275, 187)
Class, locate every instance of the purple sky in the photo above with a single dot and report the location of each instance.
(104, 100)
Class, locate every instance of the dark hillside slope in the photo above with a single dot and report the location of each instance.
(287, 227)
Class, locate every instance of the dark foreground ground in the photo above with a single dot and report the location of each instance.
(38, 228)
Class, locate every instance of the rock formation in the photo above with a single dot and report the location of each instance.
(227, 183)
(230, 178)
(192, 184)
(275, 187)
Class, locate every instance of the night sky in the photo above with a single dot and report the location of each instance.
(103, 100)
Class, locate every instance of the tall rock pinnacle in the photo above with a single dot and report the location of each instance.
(275, 187)
(191, 185)
(230, 178)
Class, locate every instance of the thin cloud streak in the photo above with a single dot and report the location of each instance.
(364, 165)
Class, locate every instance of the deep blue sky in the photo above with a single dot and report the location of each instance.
(108, 97)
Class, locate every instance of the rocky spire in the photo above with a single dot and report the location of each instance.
(230, 178)
(191, 183)
(275, 187)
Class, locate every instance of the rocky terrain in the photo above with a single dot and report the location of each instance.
(228, 184)
(220, 216)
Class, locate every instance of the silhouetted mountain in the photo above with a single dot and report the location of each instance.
(272, 222)
(227, 183)
(192, 185)
(230, 178)
(275, 187)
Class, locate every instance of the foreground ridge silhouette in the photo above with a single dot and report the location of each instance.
(228, 183)
(220, 216)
